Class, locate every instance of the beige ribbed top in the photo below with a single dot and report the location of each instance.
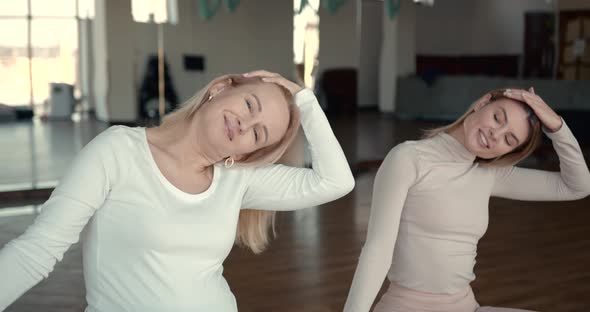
(430, 208)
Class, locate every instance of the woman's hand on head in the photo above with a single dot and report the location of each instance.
(267, 76)
(546, 115)
(485, 99)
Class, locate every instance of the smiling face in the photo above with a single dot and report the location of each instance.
(497, 128)
(240, 120)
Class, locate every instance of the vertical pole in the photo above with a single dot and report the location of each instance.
(30, 54)
(161, 98)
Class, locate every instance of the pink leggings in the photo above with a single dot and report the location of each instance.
(401, 299)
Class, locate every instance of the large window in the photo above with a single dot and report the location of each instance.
(13, 8)
(54, 55)
(39, 45)
(158, 11)
(54, 8)
(14, 62)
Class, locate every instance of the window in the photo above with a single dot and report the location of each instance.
(158, 11)
(41, 47)
(14, 63)
(53, 8)
(13, 8)
(55, 54)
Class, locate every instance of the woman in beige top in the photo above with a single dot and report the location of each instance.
(430, 201)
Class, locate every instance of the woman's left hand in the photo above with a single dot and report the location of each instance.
(546, 115)
(275, 78)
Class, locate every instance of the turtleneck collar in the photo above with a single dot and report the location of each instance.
(451, 149)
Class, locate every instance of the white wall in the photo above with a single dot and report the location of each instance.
(100, 60)
(397, 52)
(259, 34)
(120, 61)
(370, 48)
(339, 39)
(465, 27)
(406, 54)
(450, 27)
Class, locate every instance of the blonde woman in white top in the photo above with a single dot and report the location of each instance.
(430, 201)
(165, 205)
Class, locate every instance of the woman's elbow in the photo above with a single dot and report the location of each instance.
(577, 194)
(336, 189)
(587, 186)
(584, 191)
(347, 185)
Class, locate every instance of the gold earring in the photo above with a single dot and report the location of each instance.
(229, 162)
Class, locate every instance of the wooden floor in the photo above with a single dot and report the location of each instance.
(534, 256)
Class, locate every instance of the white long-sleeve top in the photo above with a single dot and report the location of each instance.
(149, 246)
(430, 208)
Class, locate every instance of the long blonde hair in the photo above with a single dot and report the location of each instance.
(508, 159)
(255, 227)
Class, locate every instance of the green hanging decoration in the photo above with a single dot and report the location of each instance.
(232, 5)
(392, 7)
(302, 5)
(332, 5)
(206, 11)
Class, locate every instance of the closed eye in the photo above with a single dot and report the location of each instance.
(512, 140)
(249, 105)
(255, 135)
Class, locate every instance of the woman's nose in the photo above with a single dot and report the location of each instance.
(494, 134)
(244, 125)
(239, 125)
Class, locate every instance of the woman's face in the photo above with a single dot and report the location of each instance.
(496, 128)
(240, 120)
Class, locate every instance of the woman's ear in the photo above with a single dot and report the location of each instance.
(239, 157)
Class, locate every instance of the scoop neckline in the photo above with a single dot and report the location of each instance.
(171, 187)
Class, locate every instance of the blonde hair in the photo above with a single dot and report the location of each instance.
(508, 159)
(254, 226)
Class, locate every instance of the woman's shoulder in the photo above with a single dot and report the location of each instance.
(117, 142)
(123, 132)
(406, 148)
(415, 153)
(115, 136)
(406, 152)
(426, 148)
